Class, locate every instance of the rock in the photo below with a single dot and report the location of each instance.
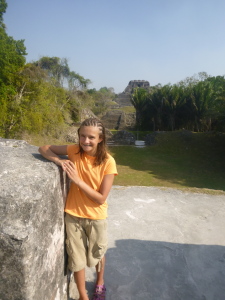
(85, 114)
(123, 138)
(72, 135)
(33, 192)
(108, 134)
(150, 139)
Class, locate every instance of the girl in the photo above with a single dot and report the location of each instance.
(91, 171)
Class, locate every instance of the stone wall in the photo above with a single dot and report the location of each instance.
(33, 192)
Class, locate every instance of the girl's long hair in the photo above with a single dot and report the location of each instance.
(101, 153)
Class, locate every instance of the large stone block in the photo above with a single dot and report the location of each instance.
(33, 192)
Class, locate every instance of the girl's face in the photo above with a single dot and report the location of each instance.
(89, 139)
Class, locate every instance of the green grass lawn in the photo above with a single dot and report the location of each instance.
(177, 160)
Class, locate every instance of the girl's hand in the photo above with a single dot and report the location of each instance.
(70, 170)
(61, 162)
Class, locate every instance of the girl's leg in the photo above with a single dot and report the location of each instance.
(80, 281)
(100, 290)
(100, 274)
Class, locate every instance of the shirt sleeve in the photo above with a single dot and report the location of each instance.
(71, 150)
(111, 166)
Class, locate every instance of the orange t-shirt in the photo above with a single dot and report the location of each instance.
(78, 204)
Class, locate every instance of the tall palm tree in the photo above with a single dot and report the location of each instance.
(218, 109)
(139, 99)
(201, 96)
(173, 99)
(155, 108)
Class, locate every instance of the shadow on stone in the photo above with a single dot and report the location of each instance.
(165, 271)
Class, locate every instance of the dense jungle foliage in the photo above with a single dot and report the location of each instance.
(41, 97)
(196, 104)
(45, 96)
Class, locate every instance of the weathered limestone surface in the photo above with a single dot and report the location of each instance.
(32, 197)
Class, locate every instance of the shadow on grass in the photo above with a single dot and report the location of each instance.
(195, 161)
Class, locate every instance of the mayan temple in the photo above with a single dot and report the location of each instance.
(123, 98)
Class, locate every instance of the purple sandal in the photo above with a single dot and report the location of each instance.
(99, 293)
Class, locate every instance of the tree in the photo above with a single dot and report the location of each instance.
(101, 99)
(60, 75)
(218, 111)
(139, 99)
(12, 60)
(155, 108)
(173, 100)
(12, 57)
(3, 7)
(43, 108)
(201, 96)
(193, 80)
(76, 81)
(57, 68)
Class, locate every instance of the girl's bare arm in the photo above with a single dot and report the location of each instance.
(52, 152)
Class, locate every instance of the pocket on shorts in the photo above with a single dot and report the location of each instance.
(100, 251)
(68, 247)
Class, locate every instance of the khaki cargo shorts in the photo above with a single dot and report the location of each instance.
(86, 242)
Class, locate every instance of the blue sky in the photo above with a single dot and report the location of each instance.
(112, 42)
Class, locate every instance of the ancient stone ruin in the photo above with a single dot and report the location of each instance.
(123, 99)
(119, 119)
(136, 83)
(33, 192)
